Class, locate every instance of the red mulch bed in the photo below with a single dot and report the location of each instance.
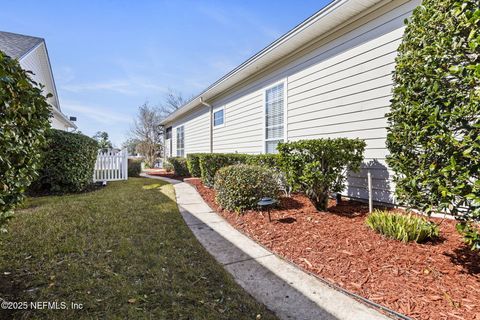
(163, 173)
(439, 280)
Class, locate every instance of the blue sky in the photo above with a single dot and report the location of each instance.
(109, 57)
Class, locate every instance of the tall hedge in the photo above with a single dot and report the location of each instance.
(434, 127)
(67, 163)
(179, 166)
(210, 163)
(24, 117)
(193, 164)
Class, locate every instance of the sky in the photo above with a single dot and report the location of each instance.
(109, 57)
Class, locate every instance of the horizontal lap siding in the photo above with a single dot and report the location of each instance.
(197, 132)
(243, 129)
(347, 94)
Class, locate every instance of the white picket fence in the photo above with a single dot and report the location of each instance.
(111, 165)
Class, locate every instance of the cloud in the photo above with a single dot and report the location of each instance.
(96, 113)
(119, 86)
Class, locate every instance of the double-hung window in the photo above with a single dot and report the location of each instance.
(274, 118)
(219, 118)
(180, 142)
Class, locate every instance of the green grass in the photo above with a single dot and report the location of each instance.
(123, 252)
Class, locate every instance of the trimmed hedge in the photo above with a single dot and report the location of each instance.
(402, 227)
(179, 166)
(193, 164)
(240, 187)
(134, 167)
(319, 167)
(210, 163)
(24, 118)
(264, 160)
(67, 163)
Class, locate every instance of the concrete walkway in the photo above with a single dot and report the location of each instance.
(285, 289)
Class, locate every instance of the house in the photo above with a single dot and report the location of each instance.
(331, 76)
(32, 54)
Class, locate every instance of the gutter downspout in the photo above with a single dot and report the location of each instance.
(211, 122)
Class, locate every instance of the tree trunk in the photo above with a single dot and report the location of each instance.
(320, 201)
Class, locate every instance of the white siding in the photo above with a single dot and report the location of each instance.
(340, 87)
(197, 132)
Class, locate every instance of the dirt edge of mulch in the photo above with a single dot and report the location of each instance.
(409, 280)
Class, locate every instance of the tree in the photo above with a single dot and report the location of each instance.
(434, 127)
(173, 100)
(147, 131)
(131, 145)
(24, 119)
(102, 139)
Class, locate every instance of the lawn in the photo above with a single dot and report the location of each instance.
(120, 252)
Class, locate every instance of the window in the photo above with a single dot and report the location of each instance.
(218, 118)
(180, 142)
(168, 133)
(273, 118)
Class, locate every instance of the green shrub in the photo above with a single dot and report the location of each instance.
(179, 166)
(433, 123)
(134, 167)
(210, 163)
(167, 166)
(264, 160)
(240, 187)
(402, 227)
(319, 167)
(24, 117)
(193, 164)
(68, 162)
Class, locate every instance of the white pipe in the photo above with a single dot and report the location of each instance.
(370, 195)
(211, 122)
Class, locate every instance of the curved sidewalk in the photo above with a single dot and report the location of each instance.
(284, 288)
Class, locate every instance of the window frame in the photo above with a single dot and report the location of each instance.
(264, 112)
(183, 141)
(222, 108)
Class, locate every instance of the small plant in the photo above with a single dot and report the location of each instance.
(240, 187)
(134, 167)
(319, 167)
(193, 164)
(168, 167)
(210, 163)
(402, 227)
(179, 166)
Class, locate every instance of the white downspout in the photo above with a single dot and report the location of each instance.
(211, 122)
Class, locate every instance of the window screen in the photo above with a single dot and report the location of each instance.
(180, 142)
(273, 118)
(218, 117)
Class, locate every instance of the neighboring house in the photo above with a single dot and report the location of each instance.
(331, 76)
(32, 54)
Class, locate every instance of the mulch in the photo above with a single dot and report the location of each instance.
(434, 280)
(163, 173)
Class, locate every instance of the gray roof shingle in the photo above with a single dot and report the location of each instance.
(17, 45)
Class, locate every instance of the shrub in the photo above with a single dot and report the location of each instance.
(168, 166)
(24, 114)
(272, 162)
(134, 167)
(319, 167)
(402, 227)
(433, 124)
(212, 162)
(240, 187)
(193, 164)
(179, 166)
(68, 162)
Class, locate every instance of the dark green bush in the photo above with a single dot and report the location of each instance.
(179, 166)
(402, 227)
(134, 167)
(434, 130)
(264, 160)
(212, 162)
(68, 162)
(240, 187)
(24, 114)
(193, 164)
(319, 167)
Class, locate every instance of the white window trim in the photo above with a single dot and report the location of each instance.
(176, 140)
(285, 115)
(213, 117)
